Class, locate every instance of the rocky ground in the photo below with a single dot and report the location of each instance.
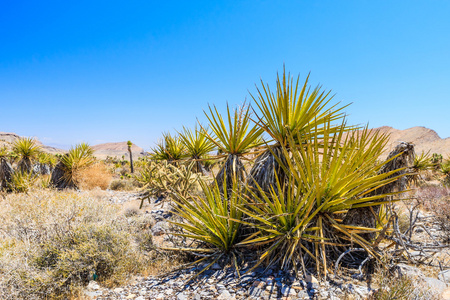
(224, 283)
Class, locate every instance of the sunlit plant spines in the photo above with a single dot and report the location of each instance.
(237, 134)
(169, 148)
(196, 142)
(293, 108)
(27, 150)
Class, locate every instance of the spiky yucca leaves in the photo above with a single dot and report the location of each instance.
(78, 158)
(197, 145)
(234, 137)
(293, 108)
(26, 150)
(169, 148)
(421, 163)
(329, 175)
(445, 170)
(213, 221)
(21, 182)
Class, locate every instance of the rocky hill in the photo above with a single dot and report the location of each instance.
(423, 138)
(6, 139)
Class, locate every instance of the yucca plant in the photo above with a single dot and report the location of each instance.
(197, 146)
(169, 148)
(234, 137)
(422, 163)
(212, 220)
(21, 182)
(78, 158)
(445, 170)
(329, 175)
(27, 150)
(292, 108)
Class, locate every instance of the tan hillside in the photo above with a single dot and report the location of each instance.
(423, 138)
(116, 150)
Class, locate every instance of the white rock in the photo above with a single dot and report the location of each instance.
(436, 284)
(118, 290)
(225, 295)
(93, 285)
(444, 276)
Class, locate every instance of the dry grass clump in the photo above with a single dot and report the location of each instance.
(436, 199)
(392, 286)
(96, 175)
(52, 243)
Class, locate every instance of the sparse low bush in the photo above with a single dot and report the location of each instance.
(401, 287)
(96, 175)
(124, 185)
(436, 199)
(51, 250)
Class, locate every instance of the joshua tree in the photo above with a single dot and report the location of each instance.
(129, 144)
(27, 150)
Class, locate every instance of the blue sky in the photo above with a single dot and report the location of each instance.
(108, 71)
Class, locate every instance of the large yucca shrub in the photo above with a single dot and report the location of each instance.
(76, 160)
(27, 151)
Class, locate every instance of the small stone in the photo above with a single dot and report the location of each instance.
(93, 294)
(197, 297)
(140, 298)
(225, 295)
(216, 266)
(182, 296)
(118, 290)
(160, 296)
(93, 285)
(130, 296)
(436, 284)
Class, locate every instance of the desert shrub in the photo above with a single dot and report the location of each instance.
(96, 175)
(163, 179)
(124, 184)
(52, 249)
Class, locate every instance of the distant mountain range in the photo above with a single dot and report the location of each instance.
(101, 150)
(423, 138)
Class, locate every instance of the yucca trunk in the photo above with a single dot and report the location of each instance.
(367, 216)
(6, 172)
(267, 169)
(232, 170)
(131, 160)
(24, 165)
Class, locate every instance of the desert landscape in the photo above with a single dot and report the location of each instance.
(235, 209)
(229, 150)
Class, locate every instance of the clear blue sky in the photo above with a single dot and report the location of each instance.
(107, 71)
